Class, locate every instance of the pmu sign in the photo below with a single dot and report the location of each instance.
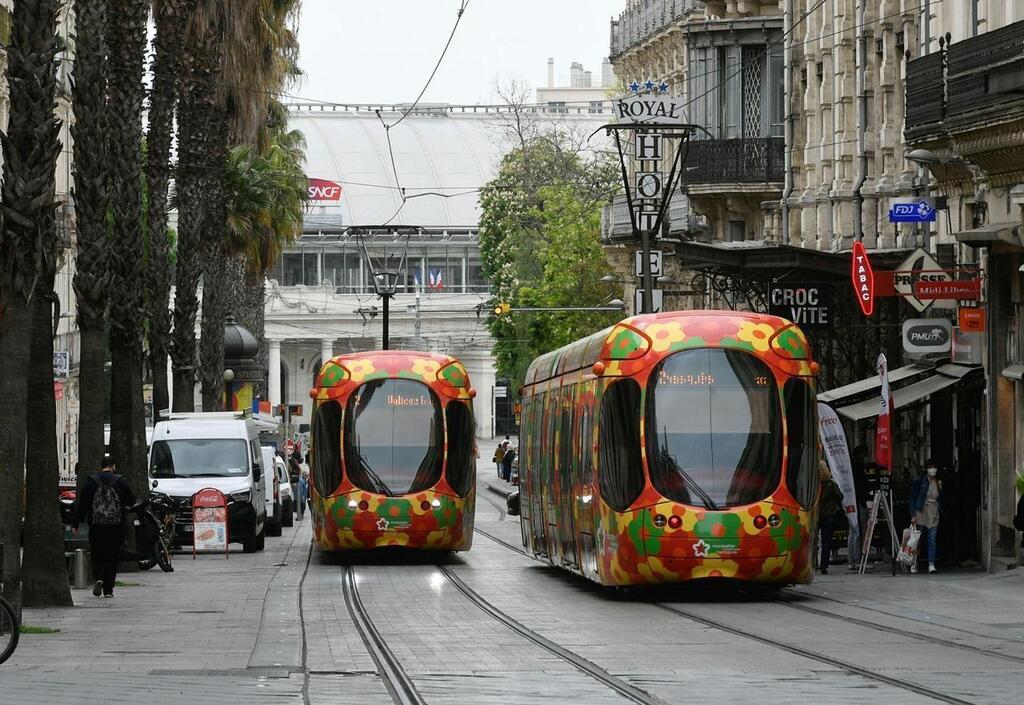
(324, 190)
(808, 306)
(862, 277)
(915, 210)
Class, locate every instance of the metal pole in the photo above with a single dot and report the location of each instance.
(386, 301)
(418, 329)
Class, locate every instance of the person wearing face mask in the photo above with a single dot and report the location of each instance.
(926, 503)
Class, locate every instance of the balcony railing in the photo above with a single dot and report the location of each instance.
(647, 18)
(965, 78)
(740, 161)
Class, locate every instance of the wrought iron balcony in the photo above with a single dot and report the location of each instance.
(647, 18)
(978, 78)
(740, 161)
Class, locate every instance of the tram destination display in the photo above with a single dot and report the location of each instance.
(807, 305)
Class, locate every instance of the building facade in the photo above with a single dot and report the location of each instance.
(581, 90)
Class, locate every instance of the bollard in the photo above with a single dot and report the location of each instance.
(81, 572)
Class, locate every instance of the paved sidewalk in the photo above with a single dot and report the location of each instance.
(215, 631)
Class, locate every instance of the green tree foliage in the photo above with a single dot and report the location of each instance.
(540, 246)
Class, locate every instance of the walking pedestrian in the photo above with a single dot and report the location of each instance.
(830, 513)
(303, 492)
(102, 504)
(499, 455)
(926, 505)
(506, 462)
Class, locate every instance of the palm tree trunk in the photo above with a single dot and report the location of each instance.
(27, 249)
(127, 420)
(196, 124)
(92, 277)
(44, 576)
(171, 18)
(215, 307)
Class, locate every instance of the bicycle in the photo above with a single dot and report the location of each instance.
(10, 627)
(153, 532)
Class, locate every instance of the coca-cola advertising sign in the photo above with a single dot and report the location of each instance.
(324, 190)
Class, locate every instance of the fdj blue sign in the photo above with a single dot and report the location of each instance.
(916, 211)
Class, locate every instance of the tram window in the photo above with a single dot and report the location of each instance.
(461, 432)
(621, 474)
(714, 428)
(394, 442)
(802, 433)
(326, 455)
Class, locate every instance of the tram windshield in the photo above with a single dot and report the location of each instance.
(394, 437)
(714, 431)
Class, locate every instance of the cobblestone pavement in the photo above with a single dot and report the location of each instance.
(229, 631)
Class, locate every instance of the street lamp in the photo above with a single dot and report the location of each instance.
(385, 277)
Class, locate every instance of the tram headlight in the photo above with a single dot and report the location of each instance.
(352, 504)
(436, 504)
(659, 520)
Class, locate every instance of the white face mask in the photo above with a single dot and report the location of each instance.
(932, 472)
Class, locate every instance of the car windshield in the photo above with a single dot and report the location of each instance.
(715, 428)
(393, 437)
(199, 457)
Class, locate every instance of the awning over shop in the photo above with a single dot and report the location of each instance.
(849, 391)
(989, 235)
(938, 379)
(1014, 372)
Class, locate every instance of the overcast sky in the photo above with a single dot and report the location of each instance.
(360, 51)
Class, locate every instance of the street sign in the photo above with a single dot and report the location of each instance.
(656, 261)
(289, 446)
(862, 276)
(912, 210)
(927, 335)
(918, 267)
(963, 290)
(971, 320)
(657, 298)
(500, 392)
(809, 305)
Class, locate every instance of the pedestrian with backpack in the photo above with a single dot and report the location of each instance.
(102, 504)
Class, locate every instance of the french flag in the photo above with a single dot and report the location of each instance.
(435, 281)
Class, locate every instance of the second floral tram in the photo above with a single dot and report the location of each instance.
(673, 447)
(393, 453)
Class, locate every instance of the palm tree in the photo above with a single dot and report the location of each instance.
(171, 18)
(28, 248)
(92, 277)
(127, 43)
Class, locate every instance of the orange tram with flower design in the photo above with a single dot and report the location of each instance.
(393, 453)
(673, 447)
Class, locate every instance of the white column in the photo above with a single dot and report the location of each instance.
(274, 369)
(326, 351)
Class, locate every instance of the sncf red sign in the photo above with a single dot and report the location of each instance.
(324, 190)
(863, 279)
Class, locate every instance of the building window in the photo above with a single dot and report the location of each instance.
(735, 231)
(596, 106)
(556, 106)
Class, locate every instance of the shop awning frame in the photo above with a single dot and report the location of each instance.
(941, 378)
(872, 383)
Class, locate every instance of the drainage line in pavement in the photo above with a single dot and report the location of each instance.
(620, 686)
(806, 653)
(396, 680)
(902, 632)
(302, 624)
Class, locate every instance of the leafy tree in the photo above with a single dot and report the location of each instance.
(540, 245)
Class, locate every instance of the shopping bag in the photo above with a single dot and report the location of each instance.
(908, 547)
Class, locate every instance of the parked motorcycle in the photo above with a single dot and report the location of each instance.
(154, 527)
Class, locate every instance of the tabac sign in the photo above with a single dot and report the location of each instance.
(862, 276)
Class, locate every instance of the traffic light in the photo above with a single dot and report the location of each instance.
(502, 309)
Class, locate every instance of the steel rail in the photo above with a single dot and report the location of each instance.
(506, 544)
(623, 688)
(821, 658)
(403, 691)
(902, 632)
(501, 509)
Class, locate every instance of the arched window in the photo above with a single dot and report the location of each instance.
(461, 434)
(326, 456)
(621, 472)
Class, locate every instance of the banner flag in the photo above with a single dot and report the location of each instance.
(837, 455)
(883, 433)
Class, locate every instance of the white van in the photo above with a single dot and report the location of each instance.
(272, 491)
(190, 452)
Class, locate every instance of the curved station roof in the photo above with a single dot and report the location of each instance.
(442, 156)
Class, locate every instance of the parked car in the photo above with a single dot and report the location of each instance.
(272, 492)
(221, 450)
(288, 507)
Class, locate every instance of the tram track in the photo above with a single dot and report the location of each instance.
(397, 681)
(501, 509)
(622, 687)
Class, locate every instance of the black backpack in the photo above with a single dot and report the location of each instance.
(106, 504)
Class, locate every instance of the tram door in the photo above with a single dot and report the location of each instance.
(539, 473)
(549, 482)
(568, 444)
